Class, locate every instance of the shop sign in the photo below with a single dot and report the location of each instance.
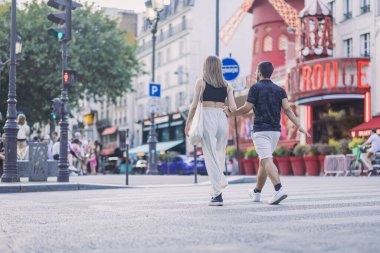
(335, 74)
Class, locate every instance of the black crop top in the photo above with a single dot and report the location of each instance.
(214, 94)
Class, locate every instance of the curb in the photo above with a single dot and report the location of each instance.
(50, 187)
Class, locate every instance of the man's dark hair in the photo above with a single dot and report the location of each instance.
(266, 69)
(374, 131)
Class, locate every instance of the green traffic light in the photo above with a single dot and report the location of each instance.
(60, 35)
(53, 116)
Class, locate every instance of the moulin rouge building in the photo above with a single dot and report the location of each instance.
(330, 90)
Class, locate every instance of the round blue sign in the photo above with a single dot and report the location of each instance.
(230, 69)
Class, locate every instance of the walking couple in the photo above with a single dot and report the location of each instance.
(266, 99)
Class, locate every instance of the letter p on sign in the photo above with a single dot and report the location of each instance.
(154, 90)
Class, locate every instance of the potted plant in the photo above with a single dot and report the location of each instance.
(343, 147)
(324, 150)
(249, 166)
(355, 142)
(282, 154)
(297, 162)
(311, 160)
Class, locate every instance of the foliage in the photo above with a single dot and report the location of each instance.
(251, 153)
(104, 62)
(231, 152)
(281, 151)
(356, 142)
(299, 150)
(334, 144)
(325, 149)
(343, 147)
(312, 150)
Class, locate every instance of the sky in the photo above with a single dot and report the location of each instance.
(135, 5)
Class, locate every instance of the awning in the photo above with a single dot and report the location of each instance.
(364, 129)
(161, 146)
(108, 151)
(109, 131)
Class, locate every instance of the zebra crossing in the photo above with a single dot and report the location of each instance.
(321, 214)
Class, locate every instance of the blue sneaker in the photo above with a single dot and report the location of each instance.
(217, 201)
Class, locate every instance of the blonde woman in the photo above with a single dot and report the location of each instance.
(215, 93)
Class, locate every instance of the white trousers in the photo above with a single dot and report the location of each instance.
(215, 135)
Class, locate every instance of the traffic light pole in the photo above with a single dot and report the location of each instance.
(63, 164)
(11, 128)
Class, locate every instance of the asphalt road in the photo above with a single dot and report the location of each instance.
(332, 214)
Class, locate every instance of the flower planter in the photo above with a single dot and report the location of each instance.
(241, 169)
(256, 164)
(298, 165)
(248, 167)
(321, 159)
(284, 166)
(312, 165)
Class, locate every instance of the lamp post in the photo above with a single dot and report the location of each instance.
(153, 10)
(11, 128)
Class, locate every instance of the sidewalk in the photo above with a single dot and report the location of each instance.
(99, 182)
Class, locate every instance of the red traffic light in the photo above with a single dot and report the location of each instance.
(69, 77)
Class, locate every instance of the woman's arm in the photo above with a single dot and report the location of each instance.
(193, 105)
(231, 99)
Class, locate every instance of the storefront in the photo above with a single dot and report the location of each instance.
(169, 128)
(333, 95)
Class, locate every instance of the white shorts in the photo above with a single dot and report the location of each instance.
(265, 143)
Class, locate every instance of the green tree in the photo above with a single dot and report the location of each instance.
(98, 51)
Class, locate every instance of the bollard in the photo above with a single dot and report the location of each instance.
(195, 165)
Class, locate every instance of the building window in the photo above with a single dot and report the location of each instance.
(282, 42)
(347, 44)
(332, 8)
(378, 7)
(168, 54)
(365, 6)
(167, 107)
(170, 30)
(167, 79)
(181, 47)
(347, 9)
(256, 46)
(365, 45)
(180, 100)
(161, 37)
(183, 22)
(159, 59)
(178, 134)
(141, 112)
(268, 44)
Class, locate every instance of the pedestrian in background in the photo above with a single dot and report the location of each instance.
(49, 144)
(22, 146)
(266, 99)
(23, 126)
(2, 154)
(56, 147)
(213, 92)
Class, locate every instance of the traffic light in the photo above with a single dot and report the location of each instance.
(69, 77)
(56, 109)
(62, 33)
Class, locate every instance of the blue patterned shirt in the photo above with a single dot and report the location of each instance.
(266, 98)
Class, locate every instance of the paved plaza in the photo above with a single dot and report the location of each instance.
(322, 214)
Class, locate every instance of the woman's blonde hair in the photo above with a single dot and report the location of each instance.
(212, 72)
(21, 119)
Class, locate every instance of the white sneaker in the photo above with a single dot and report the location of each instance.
(255, 196)
(279, 196)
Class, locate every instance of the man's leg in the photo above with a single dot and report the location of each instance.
(271, 170)
(261, 176)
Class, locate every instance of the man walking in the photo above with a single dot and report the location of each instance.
(266, 99)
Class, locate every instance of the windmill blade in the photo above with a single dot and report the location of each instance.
(229, 28)
(287, 12)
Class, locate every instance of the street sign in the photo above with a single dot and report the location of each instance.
(154, 105)
(154, 90)
(230, 69)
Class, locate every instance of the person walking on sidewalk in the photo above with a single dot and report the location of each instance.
(214, 91)
(266, 99)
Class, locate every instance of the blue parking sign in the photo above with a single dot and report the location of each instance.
(154, 90)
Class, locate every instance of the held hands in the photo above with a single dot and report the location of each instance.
(227, 111)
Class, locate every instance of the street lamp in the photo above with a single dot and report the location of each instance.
(153, 10)
(11, 128)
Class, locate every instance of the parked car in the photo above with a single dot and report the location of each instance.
(182, 165)
(140, 167)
